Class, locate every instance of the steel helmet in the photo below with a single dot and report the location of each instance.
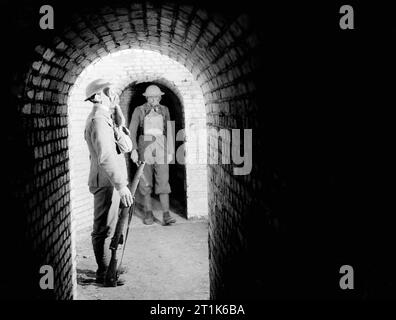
(95, 87)
(152, 91)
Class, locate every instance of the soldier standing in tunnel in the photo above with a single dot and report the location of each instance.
(107, 170)
(153, 120)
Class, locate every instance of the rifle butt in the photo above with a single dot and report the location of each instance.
(122, 218)
(112, 273)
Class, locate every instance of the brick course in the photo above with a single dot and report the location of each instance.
(220, 52)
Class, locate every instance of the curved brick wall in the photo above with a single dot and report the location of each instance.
(218, 51)
(313, 94)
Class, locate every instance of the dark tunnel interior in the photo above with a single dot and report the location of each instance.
(317, 195)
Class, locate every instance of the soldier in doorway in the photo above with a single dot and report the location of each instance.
(153, 120)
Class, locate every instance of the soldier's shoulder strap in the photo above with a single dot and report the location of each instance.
(141, 110)
(163, 109)
(100, 116)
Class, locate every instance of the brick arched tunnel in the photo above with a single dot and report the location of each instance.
(219, 50)
(261, 225)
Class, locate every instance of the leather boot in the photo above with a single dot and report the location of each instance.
(167, 219)
(119, 282)
(102, 260)
(148, 217)
(102, 256)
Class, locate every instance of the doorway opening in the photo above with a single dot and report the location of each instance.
(132, 97)
(131, 71)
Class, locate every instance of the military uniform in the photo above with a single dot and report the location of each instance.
(107, 171)
(152, 146)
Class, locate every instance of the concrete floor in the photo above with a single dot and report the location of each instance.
(163, 262)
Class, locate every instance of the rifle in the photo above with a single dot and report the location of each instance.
(124, 214)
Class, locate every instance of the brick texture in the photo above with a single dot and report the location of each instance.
(210, 61)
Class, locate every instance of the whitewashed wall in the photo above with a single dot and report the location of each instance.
(123, 68)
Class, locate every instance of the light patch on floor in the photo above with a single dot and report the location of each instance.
(164, 263)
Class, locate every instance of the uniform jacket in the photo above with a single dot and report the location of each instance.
(138, 120)
(108, 168)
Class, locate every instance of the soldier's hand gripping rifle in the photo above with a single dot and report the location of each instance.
(124, 215)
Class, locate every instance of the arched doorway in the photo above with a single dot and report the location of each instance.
(188, 179)
(185, 99)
